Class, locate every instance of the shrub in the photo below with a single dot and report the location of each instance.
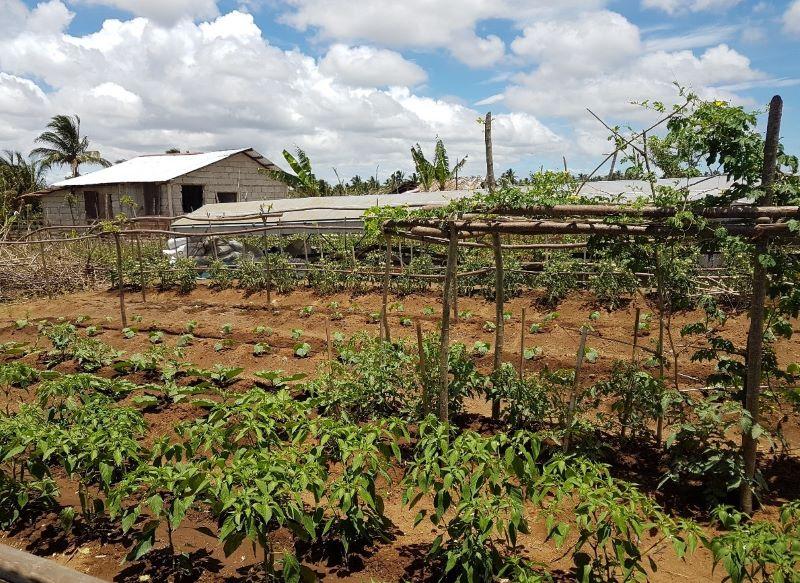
(703, 450)
(758, 550)
(558, 277)
(612, 282)
(636, 397)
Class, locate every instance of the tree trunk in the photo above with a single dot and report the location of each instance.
(487, 127)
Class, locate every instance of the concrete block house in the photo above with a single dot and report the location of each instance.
(165, 185)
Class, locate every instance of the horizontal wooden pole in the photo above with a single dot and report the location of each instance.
(17, 566)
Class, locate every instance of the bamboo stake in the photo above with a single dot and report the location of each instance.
(660, 356)
(444, 346)
(498, 315)
(120, 282)
(522, 348)
(385, 308)
(330, 349)
(44, 271)
(423, 371)
(627, 404)
(266, 264)
(142, 280)
(573, 398)
(755, 336)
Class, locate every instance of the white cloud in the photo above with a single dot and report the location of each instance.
(678, 6)
(366, 66)
(791, 18)
(144, 87)
(424, 24)
(591, 41)
(693, 39)
(610, 93)
(162, 11)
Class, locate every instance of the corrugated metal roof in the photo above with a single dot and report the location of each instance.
(631, 189)
(335, 212)
(156, 168)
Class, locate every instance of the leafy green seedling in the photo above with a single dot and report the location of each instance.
(302, 350)
(263, 331)
(489, 326)
(261, 348)
(191, 326)
(480, 348)
(591, 355)
(128, 333)
(427, 311)
(535, 328)
(306, 311)
(22, 323)
(278, 378)
(594, 316)
(406, 322)
(464, 314)
(93, 330)
(533, 353)
(297, 333)
(185, 340)
(374, 317)
(227, 329)
(156, 337)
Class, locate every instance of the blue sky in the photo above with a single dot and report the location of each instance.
(357, 83)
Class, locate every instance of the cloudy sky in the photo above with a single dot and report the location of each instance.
(357, 82)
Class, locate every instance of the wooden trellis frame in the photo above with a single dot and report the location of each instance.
(761, 224)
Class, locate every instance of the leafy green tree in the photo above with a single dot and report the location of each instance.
(64, 145)
(303, 181)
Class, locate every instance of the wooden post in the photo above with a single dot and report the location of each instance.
(444, 346)
(141, 267)
(455, 289)
(330, 349)
(498, 313)
(573, 398)
(487, 136)
(120, 282)
(386, 336)
(627, 404)
(635, 334)
(305, 249)
(755, 336)
(423, 371)
(522, 348)
(660, 355)
(44, 271)
(268, 274)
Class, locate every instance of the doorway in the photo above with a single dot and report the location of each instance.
(191, 197)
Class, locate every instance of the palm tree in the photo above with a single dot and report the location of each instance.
(303, 181)
(20, 176)
(64, 145)
(439, 170)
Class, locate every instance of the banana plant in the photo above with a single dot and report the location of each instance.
(302, 182)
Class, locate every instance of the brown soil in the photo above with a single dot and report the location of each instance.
(99, 549)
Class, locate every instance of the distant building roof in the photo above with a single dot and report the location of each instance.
(628, 190)
(157, 168)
